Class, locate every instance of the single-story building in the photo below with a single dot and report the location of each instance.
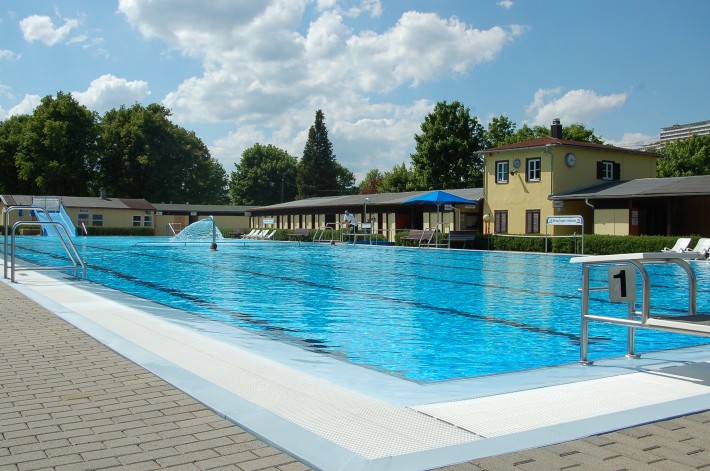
(647, 206)
(386, 211)
(84, 211)
(172, 218)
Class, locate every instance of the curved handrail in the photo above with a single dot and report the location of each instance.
(69, 248)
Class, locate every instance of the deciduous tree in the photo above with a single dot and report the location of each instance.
(145, 155)
(56, 154)
(265, 175)
(685, 157)
(445, 154)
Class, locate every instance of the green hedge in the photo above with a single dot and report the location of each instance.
(119, 231)
(593, 244)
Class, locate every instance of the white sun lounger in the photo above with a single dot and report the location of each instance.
(251, 234)
(681, 245)
(701, 249)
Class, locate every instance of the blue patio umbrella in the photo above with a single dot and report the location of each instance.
(438, 198)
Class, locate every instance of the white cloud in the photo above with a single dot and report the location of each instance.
(575, 106)
(507, 4)
(109, 91)
(26, 106)
(634, 139)
(263, 71)
(6, 54)
(41, 28)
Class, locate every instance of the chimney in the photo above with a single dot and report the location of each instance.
(103, 194)
(556, 129)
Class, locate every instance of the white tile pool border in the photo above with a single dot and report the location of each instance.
(336, 415)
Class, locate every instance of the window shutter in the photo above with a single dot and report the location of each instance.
(600, 170)
(617, 171)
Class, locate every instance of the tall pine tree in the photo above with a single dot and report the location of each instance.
(317, 171)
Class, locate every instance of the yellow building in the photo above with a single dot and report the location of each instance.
(522, 179)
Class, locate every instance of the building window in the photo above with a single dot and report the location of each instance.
(532, 221)
(136, 221)
(148, 221)
(502, 167)
(97, 220)
(500, 225)
(608, 170)
(533, 169)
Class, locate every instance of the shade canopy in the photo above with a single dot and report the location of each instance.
(438, 198)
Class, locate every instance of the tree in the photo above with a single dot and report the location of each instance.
(526, 133)
(501, 131)
(265, 175)
(397, 180)
(345, 181)
(371, 183)
(685, 157)
(445, 154)
(145, 155)
(318, 172)
(577, 132)
(56, 154)
(11, 132)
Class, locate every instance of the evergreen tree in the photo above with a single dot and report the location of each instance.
(318, 172)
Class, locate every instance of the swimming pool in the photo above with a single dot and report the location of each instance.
(424, 315)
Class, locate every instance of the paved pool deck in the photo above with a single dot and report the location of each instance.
(69, 402)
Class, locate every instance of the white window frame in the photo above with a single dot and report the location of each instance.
(533, 169)
(607, 170)
(502, 171)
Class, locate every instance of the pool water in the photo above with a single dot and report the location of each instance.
(425, 315)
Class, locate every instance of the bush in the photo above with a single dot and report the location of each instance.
(593, 244)
(119, 231)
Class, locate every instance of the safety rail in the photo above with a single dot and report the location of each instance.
(621, 284)
(10, 250)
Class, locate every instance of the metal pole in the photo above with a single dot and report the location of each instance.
(584, 338)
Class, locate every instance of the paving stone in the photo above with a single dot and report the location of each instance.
(69, 403)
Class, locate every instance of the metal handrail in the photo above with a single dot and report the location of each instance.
(69, 248)
(636, 319)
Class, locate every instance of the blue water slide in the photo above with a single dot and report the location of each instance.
(61, 217)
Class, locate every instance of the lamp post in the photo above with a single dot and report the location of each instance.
(487, 229)
(364, 211)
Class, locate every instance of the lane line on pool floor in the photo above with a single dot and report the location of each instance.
(370, 429)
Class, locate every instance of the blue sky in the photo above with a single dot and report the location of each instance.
(239, 72)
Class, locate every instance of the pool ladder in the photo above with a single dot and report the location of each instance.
(77, 265)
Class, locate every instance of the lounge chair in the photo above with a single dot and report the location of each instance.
(268, 236)
(701, 249)
(260, 234)
(251, 234)
(681, 245)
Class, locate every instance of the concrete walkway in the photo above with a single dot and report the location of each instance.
(68, 402)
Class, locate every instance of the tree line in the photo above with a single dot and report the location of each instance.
(63, 148)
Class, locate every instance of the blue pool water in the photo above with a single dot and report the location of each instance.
(426, 315)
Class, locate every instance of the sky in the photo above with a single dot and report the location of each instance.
(240, 72)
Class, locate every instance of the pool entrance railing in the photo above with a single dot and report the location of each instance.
(9, 250)
(621, 285)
